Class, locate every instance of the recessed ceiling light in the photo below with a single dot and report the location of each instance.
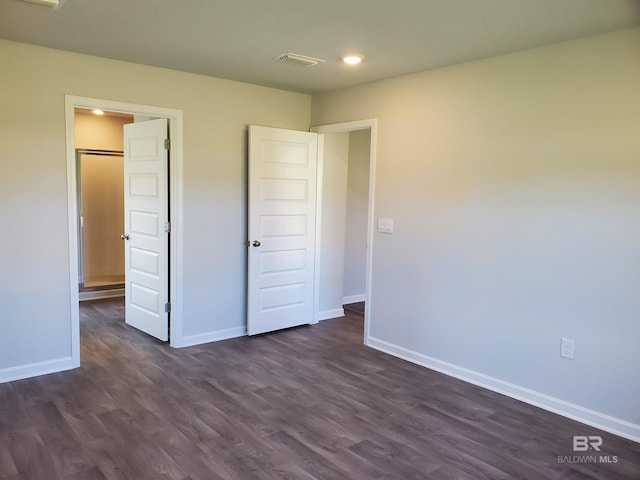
(97, 111)
(352, 59)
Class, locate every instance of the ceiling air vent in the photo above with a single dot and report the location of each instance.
(297, 59)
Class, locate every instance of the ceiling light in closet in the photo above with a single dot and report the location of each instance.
(352, 59)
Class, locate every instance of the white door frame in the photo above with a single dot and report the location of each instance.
(372, 125)
(175, 118)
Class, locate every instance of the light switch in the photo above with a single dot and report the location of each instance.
(385, 225)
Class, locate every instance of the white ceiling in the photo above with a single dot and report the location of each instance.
(237, 39)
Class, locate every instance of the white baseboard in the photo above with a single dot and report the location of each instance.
(327, 314)
(35, 369)
(354, 299)
(98, 294)
(581, 414)
(215, 336)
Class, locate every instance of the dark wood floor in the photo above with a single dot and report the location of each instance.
(305, 403)
(354, 309)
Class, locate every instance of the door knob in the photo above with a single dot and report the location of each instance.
(125, 236)
(256, 243)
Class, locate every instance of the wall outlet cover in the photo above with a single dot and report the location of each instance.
(566, 348)
(385, 225)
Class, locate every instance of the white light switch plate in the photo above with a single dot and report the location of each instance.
(566, 348)
(385, 225)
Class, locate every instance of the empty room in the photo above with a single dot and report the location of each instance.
(351, 239)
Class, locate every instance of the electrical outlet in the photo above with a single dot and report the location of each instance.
(566, 348)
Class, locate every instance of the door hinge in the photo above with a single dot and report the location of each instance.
(167, 144)
(167, 227)
(167, 307)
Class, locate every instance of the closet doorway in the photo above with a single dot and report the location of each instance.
(100, 219)
(172, 146)
(99, 145)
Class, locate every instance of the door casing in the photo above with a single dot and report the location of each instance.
(367, 124)
(175, 118)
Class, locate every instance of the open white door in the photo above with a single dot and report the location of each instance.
(282, 223)
(145, 217)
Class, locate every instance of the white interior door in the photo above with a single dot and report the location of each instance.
(282, 223)
(146, 241)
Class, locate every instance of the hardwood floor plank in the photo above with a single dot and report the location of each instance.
(30, 456)
(449, 472)
(8, 468)
(307, 457)
(86, 428)
(182, 417)
(113, 461)
(397, 464)
(229, 463)
(93, 473)
(185, 453)
(309, 403)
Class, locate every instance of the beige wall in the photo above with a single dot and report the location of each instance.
(514, 183)
(102, 212)
(102, 192)
(100, 132)
(33, 189)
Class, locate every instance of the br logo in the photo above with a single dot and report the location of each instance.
(583, 443)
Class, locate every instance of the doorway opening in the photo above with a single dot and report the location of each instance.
(78, 275)
(99, 145)
(346, 180)
(100, 217)
(297, 224)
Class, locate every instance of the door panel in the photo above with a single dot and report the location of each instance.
(282, 218)
(146, 211)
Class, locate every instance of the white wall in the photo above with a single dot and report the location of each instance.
(355, 249)
(514, 183)
(35, 329)
(334, 211)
